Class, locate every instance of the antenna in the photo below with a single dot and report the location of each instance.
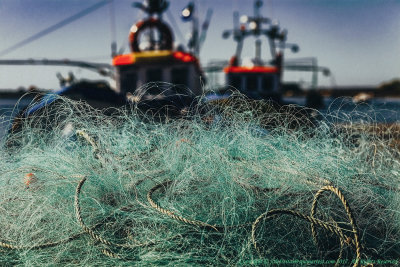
(152, 7)
(189, 14)
(252, 26)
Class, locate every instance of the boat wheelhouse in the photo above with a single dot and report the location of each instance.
(139, 68)
(259, 79)
(154, 59)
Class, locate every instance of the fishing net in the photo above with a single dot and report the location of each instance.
(236, 182)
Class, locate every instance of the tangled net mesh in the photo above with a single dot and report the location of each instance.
(227, 184)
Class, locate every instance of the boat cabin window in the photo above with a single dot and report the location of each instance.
(129, 81)
(267, 83)
(179, 76)
(235, 81)
(154, 75)
(251, 83)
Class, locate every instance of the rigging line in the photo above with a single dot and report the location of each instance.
(175, 26)
(53, 27)
(113, 28)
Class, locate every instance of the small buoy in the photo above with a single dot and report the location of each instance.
(29, 179)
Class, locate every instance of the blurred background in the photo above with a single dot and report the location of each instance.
(358, 40)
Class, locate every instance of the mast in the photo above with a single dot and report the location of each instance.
(153, 7)
(189, 13)
(253, 26)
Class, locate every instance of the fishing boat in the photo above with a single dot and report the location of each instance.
(153, 59)
(154, 75)
(257, 79)
(260, 78)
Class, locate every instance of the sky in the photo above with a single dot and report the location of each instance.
(358, 40)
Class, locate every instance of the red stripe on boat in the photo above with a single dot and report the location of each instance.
(256, 69)
(123, 59)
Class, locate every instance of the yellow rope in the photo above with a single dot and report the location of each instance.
(271, 213)
(331, 228)
(173, 215)
(79, 217)
(40, 246)
(339, 194)
(95, 236)
(90, 140)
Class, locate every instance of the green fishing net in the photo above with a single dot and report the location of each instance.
(236, 182)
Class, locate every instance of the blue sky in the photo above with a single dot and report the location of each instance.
(359, 40)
